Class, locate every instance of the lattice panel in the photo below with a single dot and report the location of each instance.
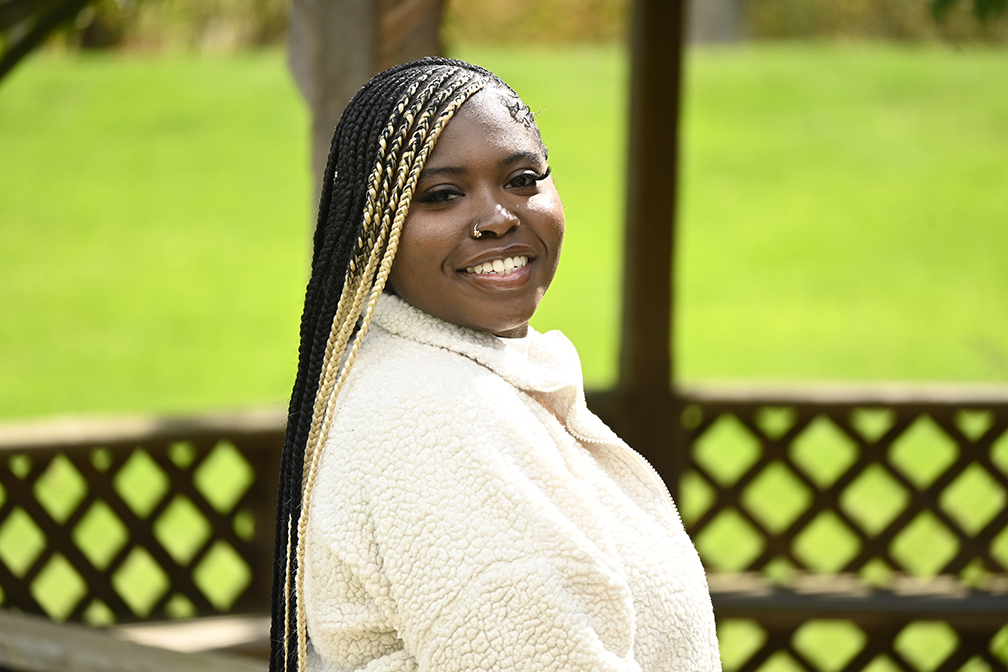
(174, 527)
(878, 491)
(831, 645)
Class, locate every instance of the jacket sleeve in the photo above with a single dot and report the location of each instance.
(446, 533)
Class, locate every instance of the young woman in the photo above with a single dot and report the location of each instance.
(447, 500)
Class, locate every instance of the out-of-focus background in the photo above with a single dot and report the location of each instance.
(842, 216)
(842, 219)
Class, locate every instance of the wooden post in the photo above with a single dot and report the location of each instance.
(645, 375)
(337, 45)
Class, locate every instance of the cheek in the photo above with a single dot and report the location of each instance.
(401, 270)
(420, 255)
(560, 221)
(550, 212)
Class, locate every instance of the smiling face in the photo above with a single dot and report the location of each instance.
(482, 239)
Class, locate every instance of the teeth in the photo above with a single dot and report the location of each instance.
(505, 266)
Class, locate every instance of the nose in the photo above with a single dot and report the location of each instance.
(497, 221)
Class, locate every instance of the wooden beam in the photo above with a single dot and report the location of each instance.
(34, 644)
(845, 596)
(645, 371)
(331, 50)
(656, 55)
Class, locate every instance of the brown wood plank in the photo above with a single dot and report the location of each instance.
(826, 395)
(844, 597)
(113, 432)
(34, 644)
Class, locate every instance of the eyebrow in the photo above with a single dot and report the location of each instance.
(517, 157)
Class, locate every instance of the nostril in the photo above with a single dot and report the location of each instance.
(499, 222)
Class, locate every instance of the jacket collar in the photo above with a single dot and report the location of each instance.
(551, 371)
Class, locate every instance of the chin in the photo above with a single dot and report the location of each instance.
(504, 323)
(513, 332)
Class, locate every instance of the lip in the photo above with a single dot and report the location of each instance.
(492, 281)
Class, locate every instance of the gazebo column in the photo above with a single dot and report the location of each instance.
(335, 46)
(648, 414)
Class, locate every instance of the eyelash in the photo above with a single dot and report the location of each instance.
(437, 194)
(538, 178)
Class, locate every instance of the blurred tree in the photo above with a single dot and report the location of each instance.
(102, 24)
(237, 24)
(335, 46)
(984, 9)
(25, 24)
(905, 20)
(523, 21)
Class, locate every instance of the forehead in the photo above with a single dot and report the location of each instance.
(483, 121)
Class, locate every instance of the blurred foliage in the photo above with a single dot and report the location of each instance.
(517, 21)
(984, 9)
(102, 24)
(203, 25)
(229, 25)
(905, 20)
(522, 21)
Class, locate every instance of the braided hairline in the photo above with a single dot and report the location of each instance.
(382, 172)
(332, 208)
(408, 169)
(433, 98)
(380, 197)
(411, 166)
(382, 238)
(347, 309)
(329, 214)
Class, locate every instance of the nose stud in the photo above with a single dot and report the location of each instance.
(476, 233)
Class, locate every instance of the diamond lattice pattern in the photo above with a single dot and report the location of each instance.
(881, 492)
(107, 534)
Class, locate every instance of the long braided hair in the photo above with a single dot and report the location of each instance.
(379, 148)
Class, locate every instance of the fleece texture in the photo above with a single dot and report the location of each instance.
(470, 513)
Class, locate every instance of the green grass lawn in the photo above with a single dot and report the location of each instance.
(843, 218)
(154, 233)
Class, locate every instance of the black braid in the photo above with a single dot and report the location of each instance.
(339, 239)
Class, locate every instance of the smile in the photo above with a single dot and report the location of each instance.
(505, 266)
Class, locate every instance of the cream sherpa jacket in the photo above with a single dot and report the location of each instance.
(470, 513)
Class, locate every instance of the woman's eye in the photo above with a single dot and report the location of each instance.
(528, 179)
(439, 196)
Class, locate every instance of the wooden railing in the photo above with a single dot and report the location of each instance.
(851, 529)
(109, 522)
(842, 530)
